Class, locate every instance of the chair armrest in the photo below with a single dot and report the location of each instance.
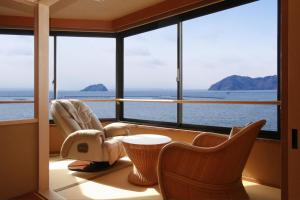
(209, 139)
(116, 129)
(89, 136)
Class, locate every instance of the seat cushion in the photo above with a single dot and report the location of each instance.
(114, 148)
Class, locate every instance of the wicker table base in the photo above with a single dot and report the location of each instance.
(144, 156)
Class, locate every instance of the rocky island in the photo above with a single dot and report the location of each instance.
(95, 88)
(236, 82)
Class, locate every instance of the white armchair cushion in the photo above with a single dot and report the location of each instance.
(116, 129)
(114, 148)
(91, 137)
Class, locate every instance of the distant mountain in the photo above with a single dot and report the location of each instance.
(94, 88)
(236, 82)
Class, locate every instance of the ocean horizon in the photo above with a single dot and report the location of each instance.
(223, 115)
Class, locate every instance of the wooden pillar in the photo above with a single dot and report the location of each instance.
(284, 97)
(290, 99)
(293, 99)
(41, 37)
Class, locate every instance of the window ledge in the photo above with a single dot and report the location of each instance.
(17, 122)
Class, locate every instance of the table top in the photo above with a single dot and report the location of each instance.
(146, 139)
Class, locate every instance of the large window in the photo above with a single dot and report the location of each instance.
(84, 62)
(234, 46)
(17, 76)
(229, 56)
(150, 73)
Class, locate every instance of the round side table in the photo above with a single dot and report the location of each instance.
(143, 150)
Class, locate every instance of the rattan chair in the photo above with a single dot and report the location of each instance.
(209, 169)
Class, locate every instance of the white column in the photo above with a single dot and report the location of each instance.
(41, 91)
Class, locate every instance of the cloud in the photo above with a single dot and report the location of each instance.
(21, 52)
(17, 52)
(137, 52)
(170, 38)
(155, 63)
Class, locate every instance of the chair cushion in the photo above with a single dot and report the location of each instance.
(72, 115)
(114, 148)
(87, 119)
(116, 128)
(88, 135)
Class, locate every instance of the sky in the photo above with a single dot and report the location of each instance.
(241, 41)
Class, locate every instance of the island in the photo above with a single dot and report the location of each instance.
(236, 82)
(95, 88)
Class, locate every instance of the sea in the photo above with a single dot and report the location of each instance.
(223, 115)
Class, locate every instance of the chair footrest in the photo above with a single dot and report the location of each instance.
(88, 166)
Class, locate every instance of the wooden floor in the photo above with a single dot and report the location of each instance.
(114, 185)
(31, 196)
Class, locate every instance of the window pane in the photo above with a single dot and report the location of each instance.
(165, 112)
(225, 57)
(83, 62)
(230, 115)
(17, 76)
(51, 67)
(150, 73)
(16, 111)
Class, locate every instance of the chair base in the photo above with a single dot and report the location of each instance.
(88, 166)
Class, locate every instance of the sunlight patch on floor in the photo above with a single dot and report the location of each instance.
(248, 183)
(91, 190)
(62, 178)
(59, 164)
(112, 186)
(261, 192)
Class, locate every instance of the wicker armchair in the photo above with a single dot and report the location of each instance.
(209, 169)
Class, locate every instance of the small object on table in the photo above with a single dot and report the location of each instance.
(143, 150)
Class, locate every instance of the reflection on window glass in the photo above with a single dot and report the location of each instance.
(17, 76)
(231, 55)
(86, 70)
(150, 61)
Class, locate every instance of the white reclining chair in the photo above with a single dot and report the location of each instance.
(86, 140)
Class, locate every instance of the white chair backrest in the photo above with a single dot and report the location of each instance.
(73, 115)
